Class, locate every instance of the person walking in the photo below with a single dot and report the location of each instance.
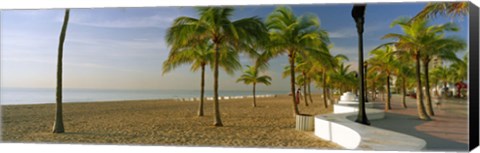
(299, 95)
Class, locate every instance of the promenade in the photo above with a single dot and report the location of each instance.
(448, 130)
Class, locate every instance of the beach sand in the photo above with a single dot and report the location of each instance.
(167, 123)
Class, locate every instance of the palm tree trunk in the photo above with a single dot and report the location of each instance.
(374, 96)
(218, 120)
(309, 90)
(202, 92)
(254, 99)
(429, 108)
(305, 88)
(329, 94)
(291, 58)
(387, 105)
(404, 92)
(445, 89)
(420, 107)
(383, 95)
(324, 85)
(58, 124)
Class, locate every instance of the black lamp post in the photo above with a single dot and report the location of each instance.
(358, 14)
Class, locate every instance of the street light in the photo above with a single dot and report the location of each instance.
(358, 14)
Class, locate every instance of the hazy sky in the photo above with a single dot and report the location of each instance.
(124, 48)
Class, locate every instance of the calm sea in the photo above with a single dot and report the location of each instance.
(18, 96)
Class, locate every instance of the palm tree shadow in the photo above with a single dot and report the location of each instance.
(406, 124)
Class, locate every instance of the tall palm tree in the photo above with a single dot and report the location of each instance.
(383, 61)
(199, 56)
(443, 48)
(214, 25)
(451, 9)
(294, 35)
(58, 125)
(416, 35)
(300, 80)
(405, 73)
(323, 62)
(251, 76)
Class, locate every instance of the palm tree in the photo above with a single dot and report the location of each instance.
(417, 34)
(451, 9)
(404, 72)
(300, 80)
(58, 125)
(443, 74)
(309, 82)
(303, 66)
(434, 81)
(251, 76)
(324, 66)
(383, 61)
(215, 26)
(460, 69)
(344, 79)
(294, 35)
(443, 48)
(199, 56)
(373, 78)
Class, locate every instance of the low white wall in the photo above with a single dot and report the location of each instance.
(351, 135)
(331, 131)
(350, 107)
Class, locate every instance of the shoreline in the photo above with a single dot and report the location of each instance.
(189, 99)
(166, 123)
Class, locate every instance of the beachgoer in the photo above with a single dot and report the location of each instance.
(299, 92)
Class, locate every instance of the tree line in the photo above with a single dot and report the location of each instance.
(213, 40)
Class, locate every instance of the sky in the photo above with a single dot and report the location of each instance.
(124, 48)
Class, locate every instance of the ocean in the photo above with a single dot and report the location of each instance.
(19, 96)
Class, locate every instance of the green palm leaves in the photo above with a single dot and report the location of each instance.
(251, 76)
(343, 78)
(216, 29)
(200, 56)
(460, 68)
(384, 62)
(295, 36)
(451, 9)
(423, 42)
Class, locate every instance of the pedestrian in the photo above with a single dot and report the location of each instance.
(299, 95)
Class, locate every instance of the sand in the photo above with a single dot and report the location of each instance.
(167, 123)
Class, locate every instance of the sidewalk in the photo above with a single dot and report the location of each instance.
(448, 130)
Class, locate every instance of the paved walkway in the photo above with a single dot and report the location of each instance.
(448, 130)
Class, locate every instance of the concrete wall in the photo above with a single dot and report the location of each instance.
(338, 128)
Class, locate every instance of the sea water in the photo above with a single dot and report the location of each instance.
(18, 96)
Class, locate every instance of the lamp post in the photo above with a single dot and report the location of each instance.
(358, 14)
